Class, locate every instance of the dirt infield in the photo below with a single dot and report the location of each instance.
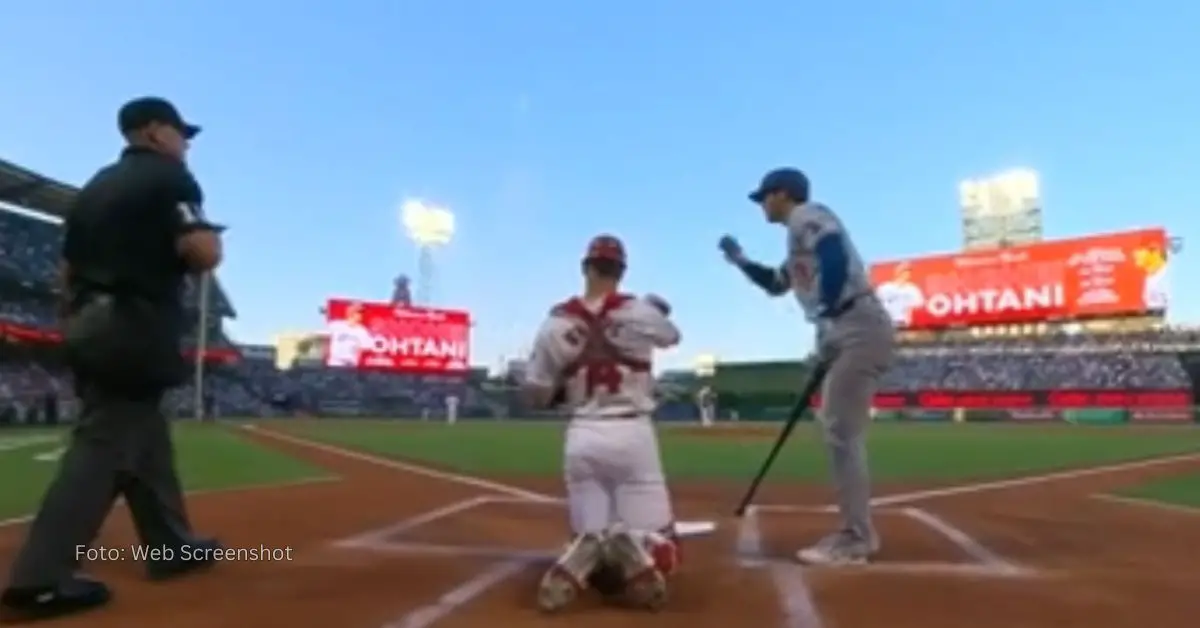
(386, 547)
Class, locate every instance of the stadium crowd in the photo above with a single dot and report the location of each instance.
(28, 378)
(1142, 360)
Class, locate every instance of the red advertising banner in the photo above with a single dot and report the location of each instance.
(1101, 275)
(21, 333)
(1054, 399)
(397, 337)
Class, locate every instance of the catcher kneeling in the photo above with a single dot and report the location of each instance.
(593, 357)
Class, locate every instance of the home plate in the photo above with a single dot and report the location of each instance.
(685, 529)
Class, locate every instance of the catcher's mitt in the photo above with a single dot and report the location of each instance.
(659, 304)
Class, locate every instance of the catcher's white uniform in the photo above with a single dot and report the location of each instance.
(612, 466)
(599, 352)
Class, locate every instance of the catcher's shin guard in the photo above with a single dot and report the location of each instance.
(646, 559)
(664, 549)
(563, 581)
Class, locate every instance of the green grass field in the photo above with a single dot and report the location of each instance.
(217, 457)
(209, 458)
(1182, 490)
(907, 453)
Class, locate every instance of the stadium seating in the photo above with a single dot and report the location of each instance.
(30, 374)
(29, 250)
(1136, 361)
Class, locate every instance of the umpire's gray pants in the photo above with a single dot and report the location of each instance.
(861, 344)
(121, 446)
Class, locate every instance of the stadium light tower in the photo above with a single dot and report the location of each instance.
(1003, 209)
(705, 365)
(429, 227)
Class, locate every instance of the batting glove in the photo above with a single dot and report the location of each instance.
(732, 250)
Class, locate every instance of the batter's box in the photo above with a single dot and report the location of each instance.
(483, 526)
(914, 540)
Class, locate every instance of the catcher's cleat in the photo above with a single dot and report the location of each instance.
(568, 575)
(645, 582)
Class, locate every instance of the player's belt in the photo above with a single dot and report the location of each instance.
(850, 304)
(624, 416)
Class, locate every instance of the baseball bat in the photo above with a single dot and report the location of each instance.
(802, 404)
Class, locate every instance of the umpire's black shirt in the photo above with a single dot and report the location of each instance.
(125, 319)
(121, 233)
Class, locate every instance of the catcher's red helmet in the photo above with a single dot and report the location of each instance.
(606, 247)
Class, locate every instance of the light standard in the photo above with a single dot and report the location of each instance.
(429, 227)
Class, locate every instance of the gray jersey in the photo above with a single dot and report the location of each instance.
(807, 224)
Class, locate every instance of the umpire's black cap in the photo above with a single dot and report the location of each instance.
(789, 180)
(140, 112)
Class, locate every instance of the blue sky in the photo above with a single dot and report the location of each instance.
(543, 123)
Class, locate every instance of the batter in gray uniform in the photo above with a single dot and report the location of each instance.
(854, 336)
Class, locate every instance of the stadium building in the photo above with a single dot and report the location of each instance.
(1069, 329)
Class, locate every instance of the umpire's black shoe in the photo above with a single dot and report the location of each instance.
(198, 555)
(79, 594)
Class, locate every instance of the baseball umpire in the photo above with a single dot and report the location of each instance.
(135, 231)
(855, 338)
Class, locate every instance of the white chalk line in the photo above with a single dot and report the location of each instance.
(799, 607)
(1042, 478)
(258, 486)
(533, 557)
(967, 543)
(932, 569)
(508, 499)
(1149, 504)
(415, 469)
(494, 552)
(52, 455)
(386, 536)
(795, 597)
(788, 578)
(381, 535)
(987, 565)
(466, 592)
(458, 597)
(796, 509)
(970, 546)
(749, 540)
(26, 442)
(750, 552)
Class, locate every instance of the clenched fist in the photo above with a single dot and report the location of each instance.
(732, 250)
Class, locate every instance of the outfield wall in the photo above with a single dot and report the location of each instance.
(1098, 407)
(1080, 416)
